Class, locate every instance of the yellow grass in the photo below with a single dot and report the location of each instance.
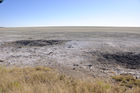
(47, 80)
(127, 80)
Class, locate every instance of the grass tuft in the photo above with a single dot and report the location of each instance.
(127, 80)
(47, 80)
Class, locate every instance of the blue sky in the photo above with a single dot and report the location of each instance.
(14, 13)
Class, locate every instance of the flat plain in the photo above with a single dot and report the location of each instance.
(76, 51)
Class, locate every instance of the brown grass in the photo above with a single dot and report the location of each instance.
(46, 80)
(127, 80)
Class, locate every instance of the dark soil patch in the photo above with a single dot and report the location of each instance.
(1, 60)
(128, 59)
(36, 43)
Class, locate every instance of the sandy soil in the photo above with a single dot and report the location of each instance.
(78, 51)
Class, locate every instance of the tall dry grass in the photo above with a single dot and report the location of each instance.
(46, 80)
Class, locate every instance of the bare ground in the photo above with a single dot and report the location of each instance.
(77, 51)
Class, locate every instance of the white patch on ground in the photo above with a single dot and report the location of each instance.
(74, 54)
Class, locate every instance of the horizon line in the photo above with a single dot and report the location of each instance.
(64, 26)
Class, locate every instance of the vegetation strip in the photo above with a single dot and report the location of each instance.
(47, 80)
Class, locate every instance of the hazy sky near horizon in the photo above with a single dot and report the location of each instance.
(69, 13)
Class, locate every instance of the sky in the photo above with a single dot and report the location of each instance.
(22, 13)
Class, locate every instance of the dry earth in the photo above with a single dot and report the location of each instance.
(77, 51)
